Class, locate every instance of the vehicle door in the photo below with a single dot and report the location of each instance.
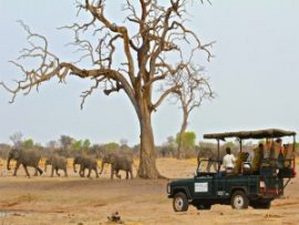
(220, 185)
(203, 187)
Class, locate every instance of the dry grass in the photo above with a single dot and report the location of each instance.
(73, 200)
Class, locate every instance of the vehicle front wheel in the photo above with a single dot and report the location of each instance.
(239, 200)
(180, 202)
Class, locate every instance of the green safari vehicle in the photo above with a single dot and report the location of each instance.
(240, 190)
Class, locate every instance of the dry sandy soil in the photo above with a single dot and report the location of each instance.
(81, 201)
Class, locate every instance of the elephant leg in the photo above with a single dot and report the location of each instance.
(96, 171)
(89, 172)
(26, 170)
(35, 173)
(127, 174)
(112, 173)
(39, 170)
(65, 172)
(57, 173)
(16, 168)
(82, 171)
(117, 174)
(52, 171)
(131, 173)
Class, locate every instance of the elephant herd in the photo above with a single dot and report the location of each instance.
(31, 158)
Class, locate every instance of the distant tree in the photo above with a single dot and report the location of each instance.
(155, 43)
(52, 144)
(111, 147)
(123, 141)
(96, 148)
(169, 147)
(28, 143)
(66, 141)
(195, 88)
(16, 138)
(4, 149)
(207, 149)
(86, 144)
(76, 146)
(186, 140)
(171, 141)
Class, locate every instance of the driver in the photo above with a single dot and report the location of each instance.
(229, 161)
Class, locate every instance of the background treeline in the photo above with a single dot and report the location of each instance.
(69, 147)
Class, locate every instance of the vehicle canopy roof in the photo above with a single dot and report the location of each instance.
(255, 134)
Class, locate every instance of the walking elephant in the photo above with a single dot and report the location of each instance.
(58, 163)
(85, 162)
(26, 158)
(118, 162)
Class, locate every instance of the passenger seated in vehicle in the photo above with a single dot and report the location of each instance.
(276, 153)
(288, 154)
(240, 162)
(258, 158)
(229, 161)
(267, 149)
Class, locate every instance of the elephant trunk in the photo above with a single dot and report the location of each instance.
(8, 162)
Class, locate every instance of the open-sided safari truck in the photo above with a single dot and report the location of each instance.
(268, 173)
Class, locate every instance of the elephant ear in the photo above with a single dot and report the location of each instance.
(16, 153)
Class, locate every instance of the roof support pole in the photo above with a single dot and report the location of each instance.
(294, 143)
(218, 154)
(294, 152)
(241, 145)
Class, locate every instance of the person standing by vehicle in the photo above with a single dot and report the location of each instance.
(229, 161)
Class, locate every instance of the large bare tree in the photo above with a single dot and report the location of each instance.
(195, 88)
(154, 43)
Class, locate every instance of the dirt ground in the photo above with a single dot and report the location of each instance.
(82, 201)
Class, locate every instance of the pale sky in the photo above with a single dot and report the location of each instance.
(255, 74)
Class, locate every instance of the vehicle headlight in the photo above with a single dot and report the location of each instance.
(168, 188)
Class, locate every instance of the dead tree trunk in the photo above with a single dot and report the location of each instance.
(184, 125)
(147, 166)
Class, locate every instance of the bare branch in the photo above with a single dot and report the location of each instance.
(98, 12)
(87, 93)
(174, 89)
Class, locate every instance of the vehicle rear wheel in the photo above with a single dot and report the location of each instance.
(180, 202)
(239, 200)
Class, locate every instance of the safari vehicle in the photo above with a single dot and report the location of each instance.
(243, 188)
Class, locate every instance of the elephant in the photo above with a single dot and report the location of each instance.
(118, 162)
(29, 157)
(57, 162)
(85, 162)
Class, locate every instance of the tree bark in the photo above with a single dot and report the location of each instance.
(147, 164)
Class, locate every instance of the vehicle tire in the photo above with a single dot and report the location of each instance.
(261, 204)
(239, 200)
(180, 202)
